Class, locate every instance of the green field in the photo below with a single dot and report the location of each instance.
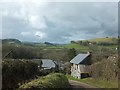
(76, 46)
(99, 40)
(66, 46)
(83, 48)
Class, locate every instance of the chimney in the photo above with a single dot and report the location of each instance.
(88, 52)
(89, 61)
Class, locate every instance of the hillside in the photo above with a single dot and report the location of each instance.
(11, 41)
(86, 45)
(103, 40)
(76, 46)
(82, 45)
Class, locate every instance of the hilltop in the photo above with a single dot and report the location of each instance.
(11, 41)
(94, 40)
(103, 40)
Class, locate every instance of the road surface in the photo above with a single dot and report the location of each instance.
(75, 85)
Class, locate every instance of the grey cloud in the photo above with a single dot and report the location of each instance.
(65, 21)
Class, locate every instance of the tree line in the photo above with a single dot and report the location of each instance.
(30, 52)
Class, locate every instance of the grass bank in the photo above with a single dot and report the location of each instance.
(96, 83)
(53, 80)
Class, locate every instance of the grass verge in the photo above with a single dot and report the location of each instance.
(96, 83)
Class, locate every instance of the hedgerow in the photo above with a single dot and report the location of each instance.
(106, 69)
(54, 80)
(16, 72)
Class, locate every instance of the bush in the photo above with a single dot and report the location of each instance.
(100, 52)
(105, 69)
(17, 71)
(66, 67)
(71, 53)
(54, 80)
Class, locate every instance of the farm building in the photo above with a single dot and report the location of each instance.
(48, 64)
(79, 65)
(45, 64)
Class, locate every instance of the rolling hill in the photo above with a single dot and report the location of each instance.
(75, 44)
(103, 40)
(11, 41)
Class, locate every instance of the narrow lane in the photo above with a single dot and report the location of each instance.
(75, 85)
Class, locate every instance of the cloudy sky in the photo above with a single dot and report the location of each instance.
(58, 22)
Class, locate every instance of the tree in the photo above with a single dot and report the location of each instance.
(71, 53)
(72, 42)
(80, 42)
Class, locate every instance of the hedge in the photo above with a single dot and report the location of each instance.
(106, 69)
(16, 72)
(54, 80)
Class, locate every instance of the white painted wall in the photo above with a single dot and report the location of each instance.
(76, 70)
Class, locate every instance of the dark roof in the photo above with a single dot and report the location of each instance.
(48, 63)
(79, 58)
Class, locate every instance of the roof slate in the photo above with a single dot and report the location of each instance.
(79, 58)
(48, 63)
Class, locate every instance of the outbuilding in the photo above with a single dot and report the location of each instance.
(80, 64)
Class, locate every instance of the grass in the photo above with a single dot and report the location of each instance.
(96, 83)
(76, 46)
(99, 40)
(51, 47)
(68, 46)
(79, 47)
(53, 80)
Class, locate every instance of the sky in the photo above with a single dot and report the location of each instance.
(59, 22)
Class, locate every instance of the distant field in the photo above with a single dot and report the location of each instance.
(67, 46)
(51, 47)
(76, 46)
(99, 40)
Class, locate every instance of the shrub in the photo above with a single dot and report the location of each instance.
(17, 71)
(106, 69)
(71, 53)
(54, 80)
